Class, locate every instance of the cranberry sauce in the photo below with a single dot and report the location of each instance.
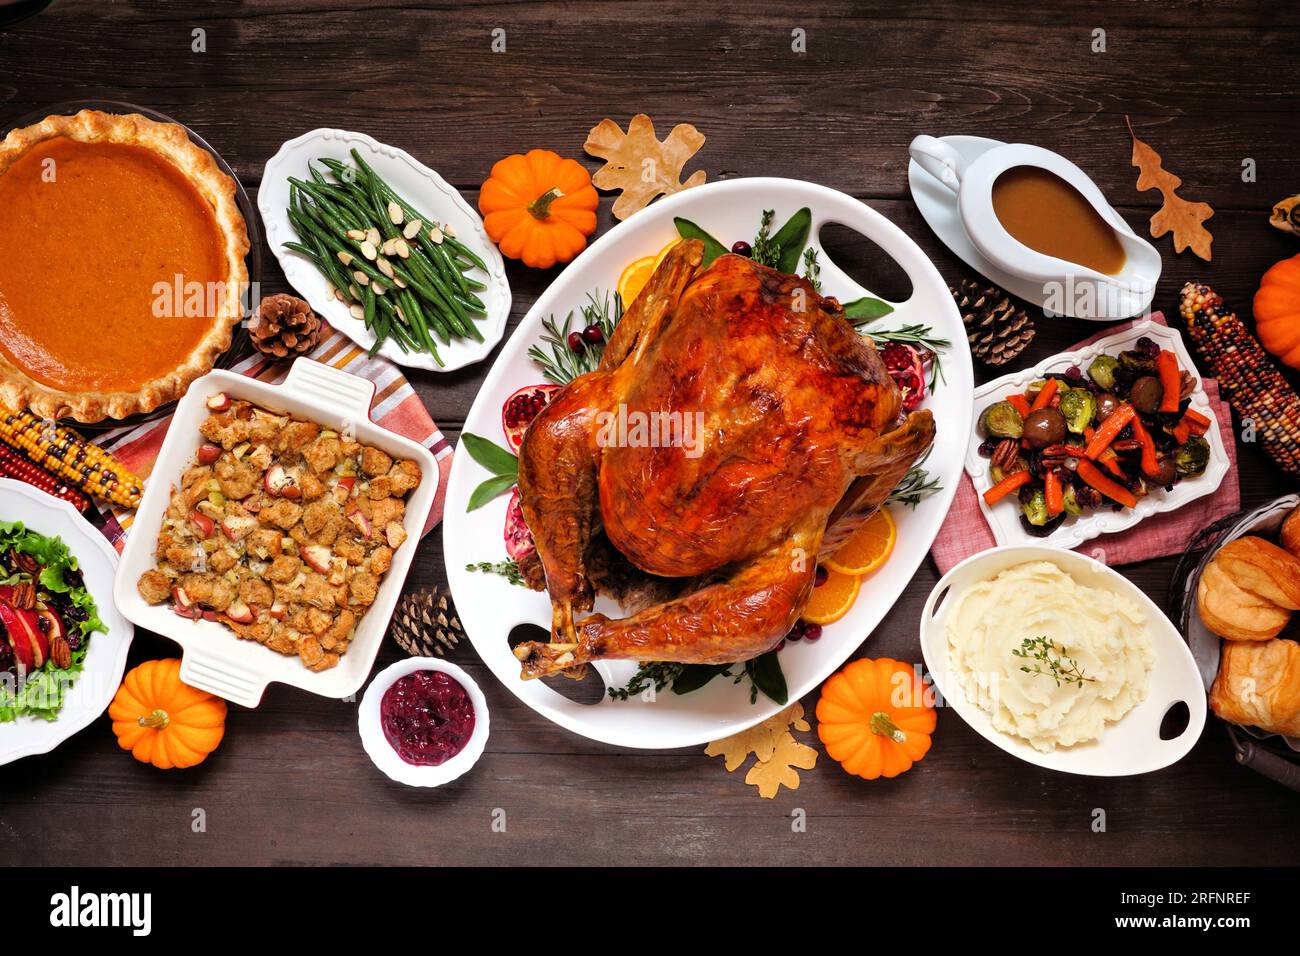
(427, 717)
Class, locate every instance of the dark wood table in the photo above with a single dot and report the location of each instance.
(1209, 85)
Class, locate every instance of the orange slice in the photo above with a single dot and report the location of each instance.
(832, 599)
(869, 548)
(634, 278)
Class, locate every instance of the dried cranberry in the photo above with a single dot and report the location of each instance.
(988, 446)
(1074, 373)
(1146, 347)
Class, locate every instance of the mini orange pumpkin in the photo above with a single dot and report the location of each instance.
(1277, 310)
(539, 207)
(875, 718)
(163, 721)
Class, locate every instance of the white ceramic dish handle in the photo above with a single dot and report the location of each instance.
(204, 669)
(939, 160)
(348, 394)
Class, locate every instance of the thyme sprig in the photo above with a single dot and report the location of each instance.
(507, 569)
(561, 364)
(1062, 669)
(765, 251)
(812, 268)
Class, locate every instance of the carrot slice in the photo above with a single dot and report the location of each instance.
(1198, 423)
(1170, 379)
(1108, 429)
(1095, 479)
(1150, 463)
(1007, 485)
(1045, 394)
(1053, 492)
(1021, 403)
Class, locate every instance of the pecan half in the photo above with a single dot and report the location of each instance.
(24, 562)
(61, 652)
(1005, 455)
(23, 595)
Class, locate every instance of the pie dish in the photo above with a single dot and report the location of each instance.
(120, 232)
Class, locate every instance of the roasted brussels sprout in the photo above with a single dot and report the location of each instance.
(1138, 361)
(1034, 507)
(1002, 420)
(1102, 371)
(1079, 408)
(1071, 501)
(1043, 427)
(1192, 457)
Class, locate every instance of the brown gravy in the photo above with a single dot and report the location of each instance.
(1047, 214)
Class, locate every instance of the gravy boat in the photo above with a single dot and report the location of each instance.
(1070, 288)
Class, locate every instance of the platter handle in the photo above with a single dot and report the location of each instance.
(349, 395)
(206, 671)
(1278, 769)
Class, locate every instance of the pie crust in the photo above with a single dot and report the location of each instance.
(170, 141)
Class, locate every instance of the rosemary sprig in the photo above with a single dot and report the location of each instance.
(916, 486)
(812, 269)
(507, 569)
(562, 365)
(1060, 668)
(765, 251)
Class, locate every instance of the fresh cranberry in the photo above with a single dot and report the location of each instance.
(742, 248)
(577, 343)
(812, 632)
(593, 335)
(820, 577)
(796, 632)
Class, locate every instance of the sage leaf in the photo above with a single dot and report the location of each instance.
(490, 489)
(490, 455)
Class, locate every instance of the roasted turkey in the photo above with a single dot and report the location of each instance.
(736, 428)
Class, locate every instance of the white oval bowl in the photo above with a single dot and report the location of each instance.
(1130, 745)
(382, 752)
(425, 190)
(490, 607)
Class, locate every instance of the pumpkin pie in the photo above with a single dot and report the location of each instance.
(121, 265)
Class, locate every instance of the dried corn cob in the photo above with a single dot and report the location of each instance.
(1252, 384)
(69, 456)
(14, 465)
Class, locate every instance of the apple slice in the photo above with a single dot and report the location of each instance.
(317, 557)
(280, 484)
(25, 624)
(343, 489)
(219, 402)
(240, 613)
(24, 653)
(238, 527)
(183, 605)
(361, 522)
(208, 454)
(205, 524)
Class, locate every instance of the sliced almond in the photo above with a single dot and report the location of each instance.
(373, 237)
(435, 235)
(331, 291)
(378, 287)
(368, 250)
(354, 292)
(385, 267)
(397, 281)
(413, 228)
(357, 235)
(345, 257)
(402, 248)
(389, 247)
(449, 230)
(395, 215)
(361, 277)
(356, 311)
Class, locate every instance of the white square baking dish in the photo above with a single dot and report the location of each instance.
(214, 659)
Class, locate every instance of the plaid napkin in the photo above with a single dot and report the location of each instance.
(396, 407)
(965, 532)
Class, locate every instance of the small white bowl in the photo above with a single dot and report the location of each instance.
(382, 752)
(1130, 745)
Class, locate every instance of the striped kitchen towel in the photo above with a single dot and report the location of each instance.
(396, 407)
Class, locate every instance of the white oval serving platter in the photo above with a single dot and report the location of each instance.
(1130, 745)
(425, 190)
(490, 607)
(1004, 517)
(106, 657)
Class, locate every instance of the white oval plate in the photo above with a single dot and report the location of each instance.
(106, 659)
(490, 607)
(1004, 517)
(1130, 745)
(422, 188)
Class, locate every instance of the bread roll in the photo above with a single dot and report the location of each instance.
(1234, 613)
(1264, 569)
(1291, 533)
(1259, 685)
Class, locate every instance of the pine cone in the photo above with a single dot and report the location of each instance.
(998, 330)
(285, 325)
(425, 623)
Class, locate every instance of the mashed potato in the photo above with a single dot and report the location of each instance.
(1091, 631)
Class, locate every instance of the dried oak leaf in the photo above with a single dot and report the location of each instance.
(769, 775)
(639, 164)
(776, 750)
(1183, 218)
